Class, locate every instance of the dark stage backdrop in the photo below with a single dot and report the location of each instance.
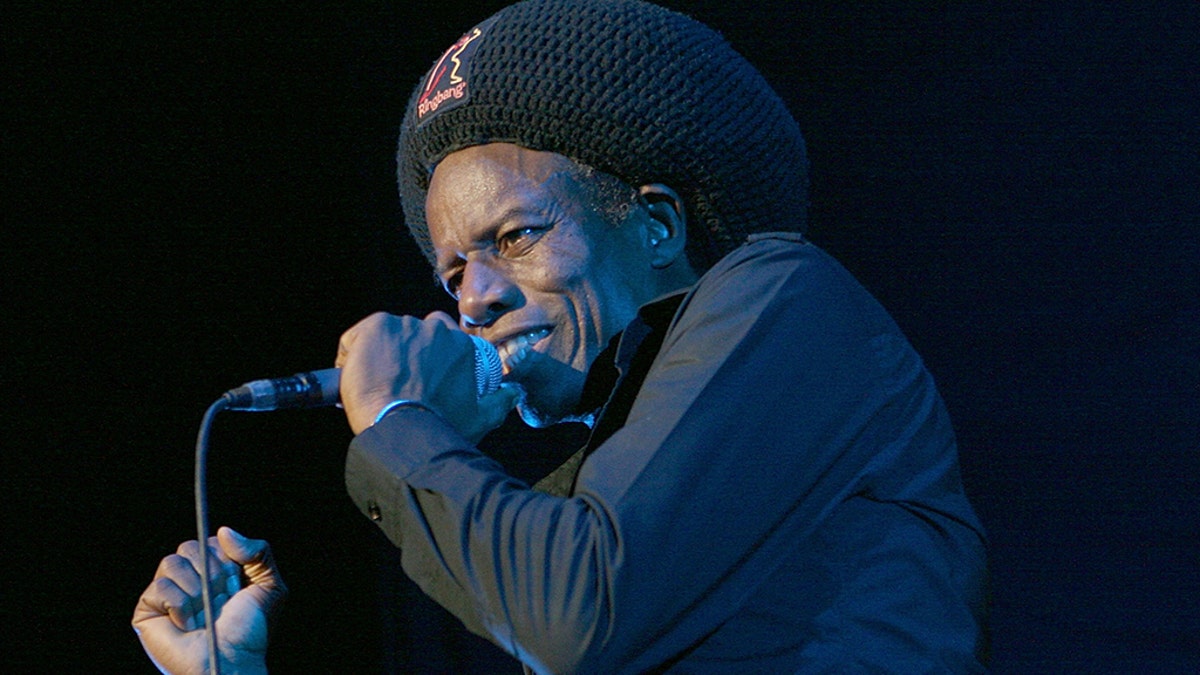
(201, 195)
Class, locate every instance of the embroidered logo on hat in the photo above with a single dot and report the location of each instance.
(447, 85)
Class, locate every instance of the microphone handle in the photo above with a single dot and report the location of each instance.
(320, 387)
(302, 390)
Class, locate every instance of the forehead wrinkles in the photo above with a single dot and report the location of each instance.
(481, 167)
(472, 193)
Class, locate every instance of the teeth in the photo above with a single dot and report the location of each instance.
(514, 360)
(515, 350)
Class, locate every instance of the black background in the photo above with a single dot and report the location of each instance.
(198, 196)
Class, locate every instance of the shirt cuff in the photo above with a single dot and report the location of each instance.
(383, 458)
(396, 404)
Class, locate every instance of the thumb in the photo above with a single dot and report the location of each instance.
(493, 409)
(241, 550)
(254, 555)
(495, 406)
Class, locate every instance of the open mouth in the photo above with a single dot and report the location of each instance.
(514, 350)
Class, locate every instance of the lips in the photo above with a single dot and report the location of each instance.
(514, 350)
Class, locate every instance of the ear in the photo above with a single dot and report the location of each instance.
(666, 230)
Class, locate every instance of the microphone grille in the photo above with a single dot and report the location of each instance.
(488, 369)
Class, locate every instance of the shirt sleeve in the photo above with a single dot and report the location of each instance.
(781, 390)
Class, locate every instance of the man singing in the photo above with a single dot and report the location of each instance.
(616, 200)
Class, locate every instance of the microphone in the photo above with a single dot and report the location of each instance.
(320, 387)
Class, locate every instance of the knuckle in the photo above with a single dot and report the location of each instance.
(172, 566)
(163, 588)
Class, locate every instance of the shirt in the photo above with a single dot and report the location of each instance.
(781, 495)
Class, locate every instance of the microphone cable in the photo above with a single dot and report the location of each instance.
(210, 621)
(302, 390)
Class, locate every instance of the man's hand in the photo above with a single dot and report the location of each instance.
(169, 617)
(428, 361)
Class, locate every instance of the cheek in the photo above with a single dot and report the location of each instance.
(560, 266)
(584, 283)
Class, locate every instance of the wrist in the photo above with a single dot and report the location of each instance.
(257, 667)
(243, 662)
(395, 405)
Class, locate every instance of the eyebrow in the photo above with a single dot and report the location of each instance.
(440, 271)
(489, 233)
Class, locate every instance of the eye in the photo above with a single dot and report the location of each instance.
(451, 283)
(518, 240)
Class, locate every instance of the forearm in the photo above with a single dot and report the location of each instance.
(504, 559)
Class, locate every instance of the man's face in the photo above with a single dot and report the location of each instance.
(538, 267)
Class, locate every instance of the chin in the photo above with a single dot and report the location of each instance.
(549, 391)
(542, 416)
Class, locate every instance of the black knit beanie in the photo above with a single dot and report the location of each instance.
(628, 88)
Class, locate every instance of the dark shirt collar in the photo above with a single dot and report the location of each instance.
(613, 382)
(653, 318)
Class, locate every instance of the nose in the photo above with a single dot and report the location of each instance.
(485, 294)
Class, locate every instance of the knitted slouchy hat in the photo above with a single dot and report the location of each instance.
(625, 87)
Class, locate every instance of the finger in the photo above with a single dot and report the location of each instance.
(347, 340)
(187, 612)
(181, 570)
(444, 318)
(218, 562)
(366, 326)
(163, 597)
(343, 349)
(493, 409)
(224, 575)
(496, 405)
